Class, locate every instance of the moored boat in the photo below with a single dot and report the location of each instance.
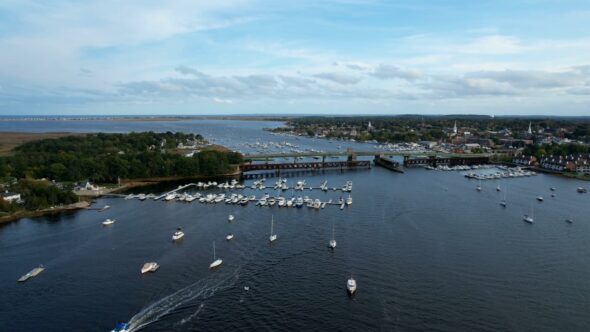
(149, 267)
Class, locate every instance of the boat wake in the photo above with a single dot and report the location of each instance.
(183, 298)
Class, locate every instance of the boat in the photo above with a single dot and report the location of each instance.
(569, 220)
(317, 203)
(142, 197)
(272, 236)
(121, 327)
(351, 285)
(169, 197)
(179, 234)
(503, 202)
(299, 202)
(478, 188)
(540, 198)
(108, 221)
(498, 188)
(349, 200)
(106, 207)
(230, 218)
(31, 274)
(552, 188)
(333, 240)
(529, 217)
(149, 267)
(582, 190)
(229, 236)
(216, 261)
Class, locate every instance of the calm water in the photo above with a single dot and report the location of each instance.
(427, 250)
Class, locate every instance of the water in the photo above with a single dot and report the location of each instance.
(428, 252)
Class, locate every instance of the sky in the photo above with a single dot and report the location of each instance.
(496, 57)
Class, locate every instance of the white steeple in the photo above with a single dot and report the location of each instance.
(530, 131)
(455, 128)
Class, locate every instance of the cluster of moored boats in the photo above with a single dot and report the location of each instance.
(508, 173)
(457, 167)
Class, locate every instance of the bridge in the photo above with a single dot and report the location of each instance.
(324, 154)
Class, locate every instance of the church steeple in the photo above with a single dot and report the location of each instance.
(530, 131)
(455, 128)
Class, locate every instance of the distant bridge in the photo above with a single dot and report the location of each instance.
(324, 154)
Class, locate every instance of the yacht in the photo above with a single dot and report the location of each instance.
(351, 285)
(108, 222)
(282, 202)
(317, 204)
(121, 327)
(349, 200)
(179, 234)
(149, 267)
(229, 236)
(216, 261)
(230, 218)
(272, 236)
(299, 202)
(529, 217)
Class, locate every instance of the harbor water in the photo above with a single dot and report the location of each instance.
(427, 250)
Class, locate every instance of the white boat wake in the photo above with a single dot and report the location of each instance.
(202, 289)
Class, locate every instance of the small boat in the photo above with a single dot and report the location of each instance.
(230, 218)
(349, 200)
(31, 274)
(552, 188)
(529, 217)
(170, 197)
(299, 202)
(246, 288)
(498, 188)
(503, 202)
(351, 285)
(108, 222)
(106, 207)
(540, 198)
(272, 236)
(149, 267)
(342, 206)
(121, 327)
(179, 234)
(478, 188)
(569, 220)
(581, 190)
(333, 240)
(216, 261)
(229, 236)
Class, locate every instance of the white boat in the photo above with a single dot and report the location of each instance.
(503, 202)
(108, 221)
(149, 267)
(569, 220)
(498, 188)
(333, 240)
(31, 274)
(179, 234)
(351, 285)
(169, 197)
(529, 217)
(272, 236)
(216, 261)
(349, 200)
(299, 202)
(317, 204)
(540, 198)
(142, 197)
(231, 217)
(106, 207)
(229, 236)
(478, 188)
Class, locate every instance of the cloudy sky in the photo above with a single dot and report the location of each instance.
(304, 56)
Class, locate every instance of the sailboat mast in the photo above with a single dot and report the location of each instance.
(213, 250)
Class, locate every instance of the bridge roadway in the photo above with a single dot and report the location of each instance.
(362, 153)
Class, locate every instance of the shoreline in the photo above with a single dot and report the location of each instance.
(39, 213)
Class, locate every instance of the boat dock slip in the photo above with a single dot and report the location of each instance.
(31, 274)
(174, 191)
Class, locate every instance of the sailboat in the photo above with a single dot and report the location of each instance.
(498, 188)
(503, 202)
(333, 240)
(272, 236)
(216, 261)
(529, 218)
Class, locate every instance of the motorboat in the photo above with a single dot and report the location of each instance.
(529, 217)
(31, 274)
(351, 285)
(108, 221)
(569, 220)
(552, 188)
(229, 236)
(332, 240)
(317, 204)
(106, 207)
(540, 198)
(582, 190)
(299, 202)
(179, 234)
(149, 267)
(230, 218)
(349, 200)
(169, 197)
(121, 327)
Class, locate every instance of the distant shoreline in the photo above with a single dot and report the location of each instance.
(142, 118)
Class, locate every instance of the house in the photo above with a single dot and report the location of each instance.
(523, 160)
(11, 197)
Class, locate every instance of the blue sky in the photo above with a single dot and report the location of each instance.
(314, 57)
